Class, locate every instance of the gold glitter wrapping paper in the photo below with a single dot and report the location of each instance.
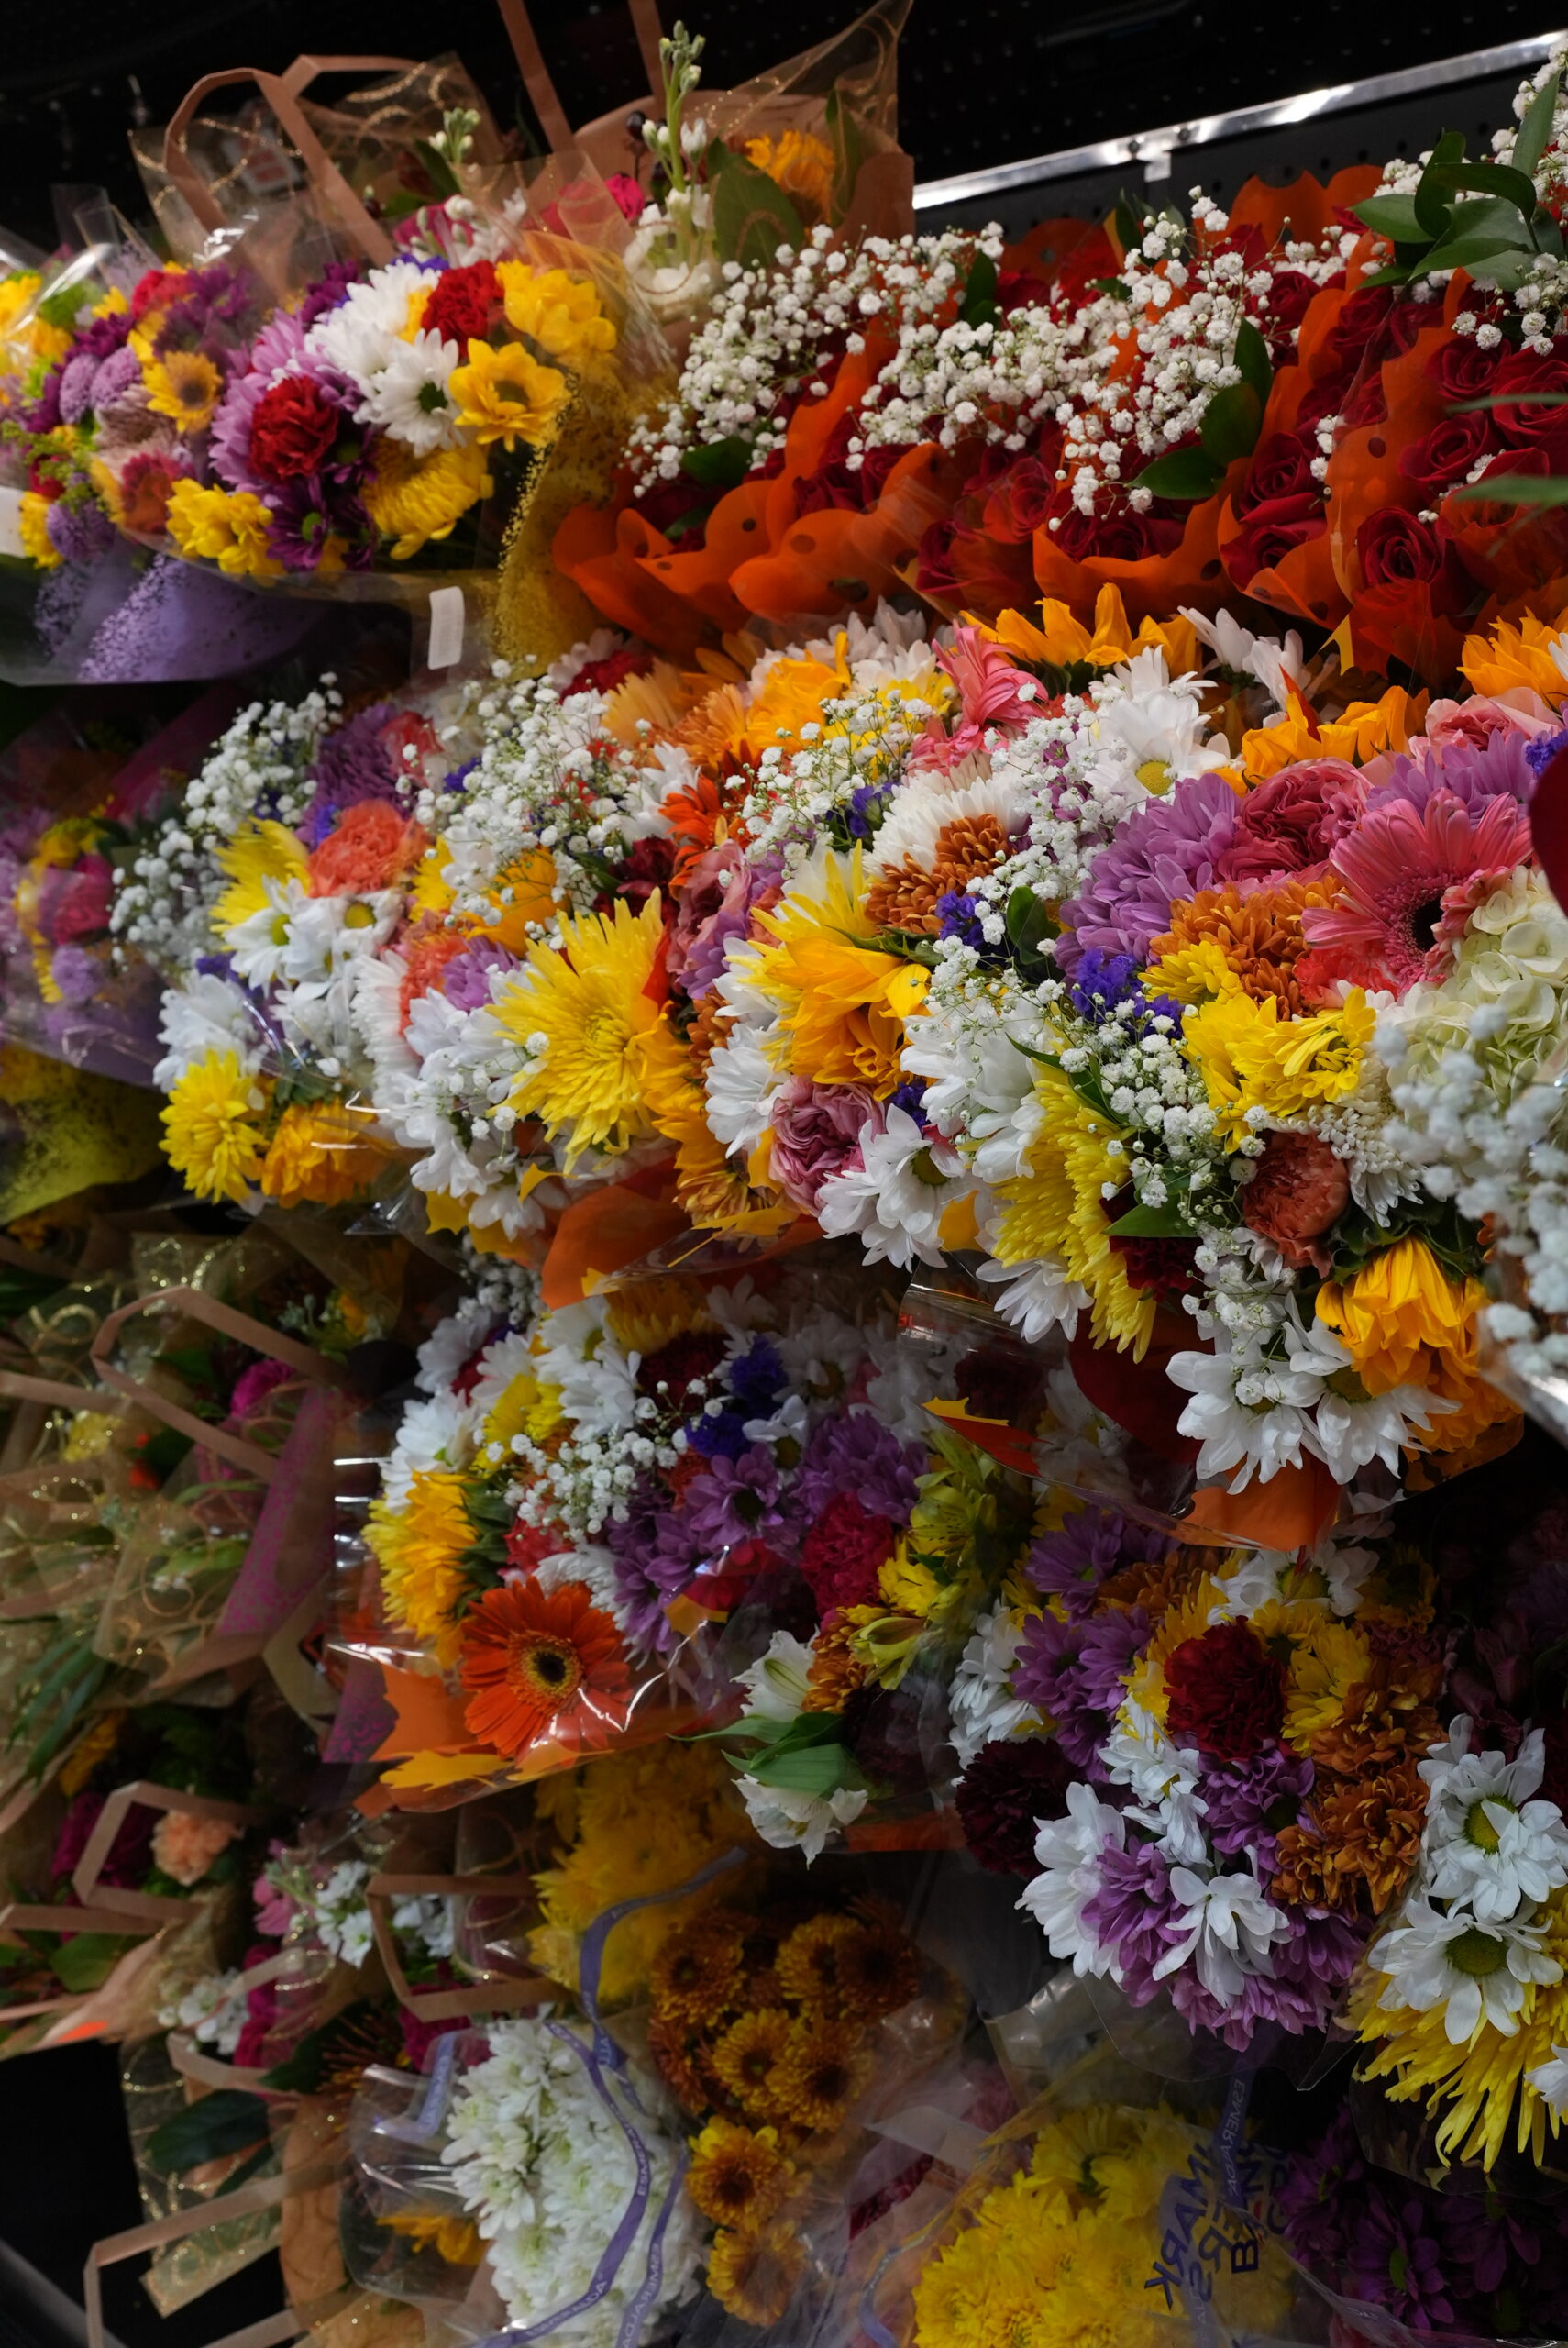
(62, 1130)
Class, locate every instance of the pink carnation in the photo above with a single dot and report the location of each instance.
(816, 1134)
(185, 1847)
(1290, 823)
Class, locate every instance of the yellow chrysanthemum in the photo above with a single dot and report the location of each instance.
(1394, 1308)
(32, 522)
(259, 853)
(561, 313)
(1250, 1059)
(738, 2175)
(1057, 1211)
(524, 1406)
(320, 1156)
(1195, 974)
(1528, 652)
(508, 396)
(211, 1133)
(1357, 733)
(430, 891)
(183, 385)
(225, 527)
(415, 501)
(798, 163)
(844, 1003)
(1484, 2080)
(583, 1014)
(451, 2235)
(419, 1549)
(1329, 1660)
(1060, 641)
(31, 333)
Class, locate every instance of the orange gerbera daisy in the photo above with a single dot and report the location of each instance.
(539, 1659)
(699, 818)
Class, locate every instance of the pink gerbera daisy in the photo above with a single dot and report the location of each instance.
(1410, 878)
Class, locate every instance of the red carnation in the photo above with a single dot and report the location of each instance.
(292, 429)
(1298, 1188)
(1005, 1793)
(603, 676)
(843, 1552)
(676, 1366)
(1227, 1693)
(462, 302)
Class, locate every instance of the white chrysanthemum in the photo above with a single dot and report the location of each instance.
(927, 803)
(980, 1702)
(357, 335)
(1475, 1972)
(206, 1013)
(1488, 1845)
(895, 1200)
(1228, 1928)
(1034, 1298)
(408, 396)
(1068, 1851)
(1164, 1777)
(437, 1433)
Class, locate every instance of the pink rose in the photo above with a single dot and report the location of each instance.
(1480, 720)
(74, 903)
(816, 1134)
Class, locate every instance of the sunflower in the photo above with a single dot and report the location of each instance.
(700, 1971)
(737, 2178)
(753, 2275)
(749, 2056)
(582, 1014)
(824, 2068)
(210, 1132)
(536, 1661)
(185, 385)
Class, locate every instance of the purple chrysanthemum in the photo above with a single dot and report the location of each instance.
(1163, 854)
(466, 979)
(1239, 1797)
(1133, 1913)
(857, 1453)
(352, 765)
(1074, 1671)
(1071, 1563)
(736, 1501)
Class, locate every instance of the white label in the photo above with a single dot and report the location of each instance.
(11, 522)
(445, 627)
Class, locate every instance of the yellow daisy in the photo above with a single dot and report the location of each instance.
(211, 1133)
(584, 1015)
(1057, 1213)
(508, 396)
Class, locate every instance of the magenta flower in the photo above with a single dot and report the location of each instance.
(1410, 878)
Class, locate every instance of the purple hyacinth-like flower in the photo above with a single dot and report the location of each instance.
(352, 764)
(1163, 853)
(864, 806)
(736, 1501)
(1133, 1913)
(857, 1454)
(1540, 753)
(78, 532)
(1071, 1563)
(1074, 1671)
(962, 915)
(1239, 1795)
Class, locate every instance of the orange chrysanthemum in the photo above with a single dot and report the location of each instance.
(749, 2056)
(737, 2178)
(680, 2056)
(698, 1971)
(1259, 934)
(753, 2275)
(535, 1660)
(807, 1960)
(877, 1970)
(824, 2068)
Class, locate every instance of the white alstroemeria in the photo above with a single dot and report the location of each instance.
(428, 1918)
(1475, 1972)
(1164, 1778)
(798, 1821)
(1488, 1845)
(981, 1704)
(896, 1199)
(1068, 1851)
(1228, 1928)
(776, 1682)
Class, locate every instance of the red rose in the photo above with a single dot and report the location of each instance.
(1534, 424)
(1298, 1188)
(1361, 319)
(1227, 1693)
(462, 302)
(1276, 530)
(1448, 452)
(1119, 537)
(1281, 468)
(292, 429)
(934, 574)
(1327, 397)
(1287, 824)
(1290, 298)
(1026, 496)
(1462, 370)
(843, 1554)
(1397, 549)
(1366, 405)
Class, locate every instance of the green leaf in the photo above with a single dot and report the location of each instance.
(302, 2072)
(225, 2122)
(718, 465)
(1169, 1221)
(1252, 358)
(1535, 130)
(1232, 423)
(86, 1960)
(1505, 271)
(1126, 220)
(848, 144)
(1187, 473)
(1392, 216)
(981, 292)
(752, 214)
(1491, 179)
(1029, 926)
(1517, 489)
(818, 1769)
(1513, 399)
(444, 180)
(1483, 225)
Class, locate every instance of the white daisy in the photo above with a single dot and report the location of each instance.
(1488, 1845)
(1068, 1851)
(1475, 1972)
(981, 1705)
(409, 398)
(1549, 2080)
(896, 1199)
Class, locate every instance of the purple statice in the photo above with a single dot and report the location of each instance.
(909, 1096)
(1161, 856)
(1540, 753)
(1095, 1543)
(1472, 772)
(466, 981)
(303, 515)
(328, 291)
(718, 1434)
(271, 355)
(1239, 1797)
(1107, 982)
(1074, 1672)
(78, 529)
(856, 1453)
(865, 809)
(736, 1501)
(1134, 1915)
(459, 775)
(352, 764)
(961, 914)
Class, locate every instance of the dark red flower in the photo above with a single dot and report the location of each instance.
(882, 1729)
(461, 304)
(158, 285)
(934, 575)
(603, 676)
(1281, 468)
(292, 429)
(1118, 536)
(1289, 298)
(1366, 404)
(1535, 424)
(1007, 1789)
(674, 1366)
(1287, 824)
(1273, 533)
(1397, 550)
(1227, 1693)
(1448, 452)
(843, 1552)
(648, 868)
(1462, 369)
